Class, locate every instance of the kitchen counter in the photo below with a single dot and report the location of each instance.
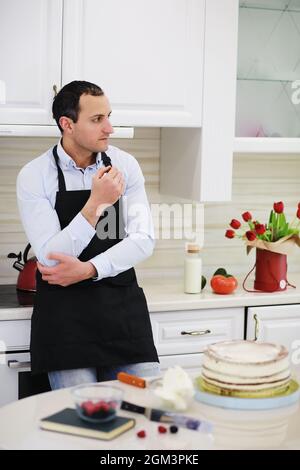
(232, 429)
(169, 296)
(164, 296)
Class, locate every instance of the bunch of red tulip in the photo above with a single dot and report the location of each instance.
(276, 228)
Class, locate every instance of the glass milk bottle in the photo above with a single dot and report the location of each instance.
(192, 270)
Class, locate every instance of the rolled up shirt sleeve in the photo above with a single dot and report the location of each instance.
(41, 223)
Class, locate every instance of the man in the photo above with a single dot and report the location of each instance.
(90, 318)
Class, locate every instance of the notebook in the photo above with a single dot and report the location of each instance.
(67, 421)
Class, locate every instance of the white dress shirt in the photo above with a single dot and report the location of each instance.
(37, 184)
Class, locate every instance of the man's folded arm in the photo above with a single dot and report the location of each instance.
(42, 225)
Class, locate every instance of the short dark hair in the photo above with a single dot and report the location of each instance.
(66, 102)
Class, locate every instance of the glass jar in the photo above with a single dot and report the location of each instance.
(192, 270)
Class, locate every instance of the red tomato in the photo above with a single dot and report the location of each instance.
(223, 285)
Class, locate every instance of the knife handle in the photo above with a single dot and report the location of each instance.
(131, 379)
(125, 405)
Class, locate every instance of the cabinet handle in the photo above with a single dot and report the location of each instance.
(55, 90)
(256, 328)
(196, 333)
(18, 364)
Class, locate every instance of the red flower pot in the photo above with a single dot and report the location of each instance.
(270, 271)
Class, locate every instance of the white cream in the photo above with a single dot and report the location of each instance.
(247, 352)
(176, 389)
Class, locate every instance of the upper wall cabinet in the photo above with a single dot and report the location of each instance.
(196, 163)
(30, 52)
(163, 63)
(146, 55)
(268, 79)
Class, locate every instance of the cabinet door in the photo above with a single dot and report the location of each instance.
(275, 324)
(268, 93)
(30, 58)
(203, 157)
(268, 69)
(15, 335)
(146, 55)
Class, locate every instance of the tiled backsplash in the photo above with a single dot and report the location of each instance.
(258, 181)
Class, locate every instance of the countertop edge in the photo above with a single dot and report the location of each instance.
(169, 296)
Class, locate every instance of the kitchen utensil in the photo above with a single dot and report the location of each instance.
(168, 417)
(135, 380)
(27, 270)
(131, 379)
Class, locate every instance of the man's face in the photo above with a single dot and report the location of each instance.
(93, 128)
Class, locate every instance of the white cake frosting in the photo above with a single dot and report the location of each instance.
(246, 366)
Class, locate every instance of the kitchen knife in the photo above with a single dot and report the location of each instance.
(131, 379)
(168, 417)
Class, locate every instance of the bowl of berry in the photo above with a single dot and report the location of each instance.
(97, 403)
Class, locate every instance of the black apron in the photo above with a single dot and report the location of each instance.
(90, 323)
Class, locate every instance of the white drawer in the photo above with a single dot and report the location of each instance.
(172, 330)
(14, 335)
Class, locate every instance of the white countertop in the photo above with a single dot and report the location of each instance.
(234, 429)
(168, 295)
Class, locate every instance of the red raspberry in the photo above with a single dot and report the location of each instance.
(162, 429)
(88, 407)
(105, 407)
(141, 434)
(100, 406)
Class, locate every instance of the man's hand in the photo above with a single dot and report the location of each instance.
(68, 271)
(108, 185)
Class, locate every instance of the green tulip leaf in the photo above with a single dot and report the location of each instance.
(271, 217)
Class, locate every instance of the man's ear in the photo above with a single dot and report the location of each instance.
(66, 124)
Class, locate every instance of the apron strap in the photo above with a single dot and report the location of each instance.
(61, 179)
(106, 159)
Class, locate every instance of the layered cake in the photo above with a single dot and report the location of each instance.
(246, 369)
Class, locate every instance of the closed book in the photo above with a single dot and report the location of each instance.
(67, 421)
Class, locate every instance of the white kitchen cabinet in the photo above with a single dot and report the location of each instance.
(196, 163)
(30, 56)
(15, 335)
(169, 64)
(191, 363)
(275, 324)
(181, 336)
(268, 112)
(147, 56)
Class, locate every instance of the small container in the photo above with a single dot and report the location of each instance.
(192, 270)
(270, 271)
(97, 403)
